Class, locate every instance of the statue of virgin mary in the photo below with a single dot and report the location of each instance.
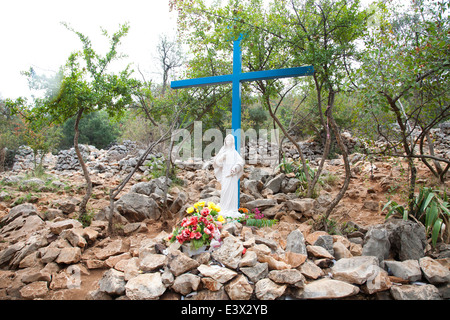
(228, 168)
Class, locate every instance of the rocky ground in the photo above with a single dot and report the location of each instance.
(45, 253)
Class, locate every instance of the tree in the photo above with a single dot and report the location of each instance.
(85, 86)
(405, 80)
(169, 56)
(289, 33)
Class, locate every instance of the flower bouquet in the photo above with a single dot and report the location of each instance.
(201, 229)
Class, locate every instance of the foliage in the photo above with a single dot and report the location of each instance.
(95, 129)
(404, 77)
(201, 228)
(255, 218)
(431, 208)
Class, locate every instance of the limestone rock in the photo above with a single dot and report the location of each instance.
(413, 292)
(181, 263)
(289, 276)
(217, 273)
(148, 286)
(112, 282)
(239, 288)
(186, 283)
(295, 242)
(229, 253)
(433, 271)
(356, 269)
(34, 290)
(408, 270)
(137, 207)
(151, 262)
(328, 289)
(266, 289)
(257, 272)
(69, 255)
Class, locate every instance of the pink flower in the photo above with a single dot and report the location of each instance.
(205, 212)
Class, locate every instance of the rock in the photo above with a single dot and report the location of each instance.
(408, 239)
(112, 282)
(275, 183)
(408, 270)
(403, 240)
(293, 259)
(249, 259)
(356, 269)
(290, 185)
(257, 272)
(75, 237)
(433, 271)
(217, 273)
(181, 263)
(186, 283)
(295, 242)
(266, 289)
(289, 276)
(239, 288)
(378, 282)
(34, 290)
(229, 253)
(414, 292)
(305, 206)
(318, 252)
(150, 261)
(58, 227)
(137, 207)
(376, 243)
(310, 270)
(148, 286)
(326, 242)
(329, 289)
(113, 248)
(22, 210)
(50, 254)
(340, 251)
(371, 205)
(7, 254)
(69, 255)
(261, 204)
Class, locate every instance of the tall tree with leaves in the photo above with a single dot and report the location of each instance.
(87, 86)
(291, 33)
(405, 80)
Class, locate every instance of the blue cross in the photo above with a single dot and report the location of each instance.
(236, 78)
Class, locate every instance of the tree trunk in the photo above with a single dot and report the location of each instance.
(286, 134)
(87, 196)
(344, 188)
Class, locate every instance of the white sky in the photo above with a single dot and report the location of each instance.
(31, 35)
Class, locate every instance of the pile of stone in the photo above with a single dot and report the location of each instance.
(47, 258)
(24, 159)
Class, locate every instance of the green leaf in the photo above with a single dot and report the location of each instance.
(431, 215)
(436, 230)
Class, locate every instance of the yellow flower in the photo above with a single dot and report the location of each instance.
(199, 204)
(190, 210)
(211, 205)
(220, 219)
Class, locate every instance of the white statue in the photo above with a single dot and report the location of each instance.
(228, 168)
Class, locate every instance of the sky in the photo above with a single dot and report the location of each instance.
(31, 35)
